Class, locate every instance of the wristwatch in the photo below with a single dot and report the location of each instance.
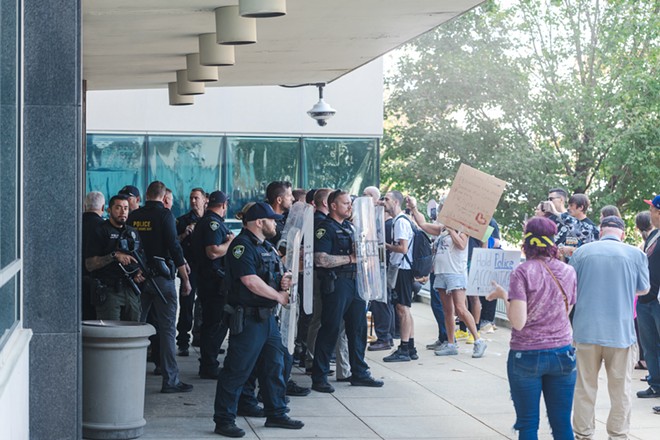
(113, 255)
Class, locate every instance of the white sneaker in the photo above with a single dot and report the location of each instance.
(479, 348)
(447, 350)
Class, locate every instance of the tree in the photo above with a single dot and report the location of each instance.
(540, 94)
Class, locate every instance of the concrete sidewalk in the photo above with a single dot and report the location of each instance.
(432, 398)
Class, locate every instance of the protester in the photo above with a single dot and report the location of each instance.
(541, 360)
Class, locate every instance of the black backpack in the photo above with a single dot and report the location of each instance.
(422, 252)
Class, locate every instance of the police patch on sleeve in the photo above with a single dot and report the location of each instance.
(237, 252)
(214, 225)
(320, 233)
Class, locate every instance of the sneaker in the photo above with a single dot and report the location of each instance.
(379, 345)
(178, 388)
(479, 348)
(447, 350)
(344, 379)
(229, 430)
(470, 339)
(488, 327)
(460, 335)
(293, 389)
(397, 356)
(413, 354)
(648, 393)
(434, 345)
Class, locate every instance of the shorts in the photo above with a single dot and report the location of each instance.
(403, 290)
(450, 281)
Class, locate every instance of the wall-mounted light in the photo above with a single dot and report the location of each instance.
(185, 87)
(199, 73)
(213, 54)
(231, 28)
(262, 8)
(176, 99)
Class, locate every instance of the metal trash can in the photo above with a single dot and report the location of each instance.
(114, 363)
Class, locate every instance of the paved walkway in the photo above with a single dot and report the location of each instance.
(432, 398)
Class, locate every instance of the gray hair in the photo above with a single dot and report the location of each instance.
(372, 192)
(94, 201)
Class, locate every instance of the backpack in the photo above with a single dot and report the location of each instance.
(422, 252)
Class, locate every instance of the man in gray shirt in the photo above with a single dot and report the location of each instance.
(609, 275)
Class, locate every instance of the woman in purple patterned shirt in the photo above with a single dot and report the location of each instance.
(541, 360)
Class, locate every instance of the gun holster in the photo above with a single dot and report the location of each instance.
(98, 292)
(328, 282)
(163, 268)
(236, 318)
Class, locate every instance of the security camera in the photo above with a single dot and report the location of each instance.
(321, 111)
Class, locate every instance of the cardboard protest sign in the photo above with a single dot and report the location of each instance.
(472, 201)
(490, 265)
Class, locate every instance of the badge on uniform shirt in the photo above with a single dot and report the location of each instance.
(133, 235)
(214, 225)
(320, 233)
(238, 251)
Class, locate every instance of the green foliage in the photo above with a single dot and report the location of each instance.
(540, 94)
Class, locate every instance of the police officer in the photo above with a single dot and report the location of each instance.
(185, 226)
(156, 226)
(257, 286)
(112, 267)
(133, 196)
(334, 256)
(209, 243)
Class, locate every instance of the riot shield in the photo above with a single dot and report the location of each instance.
(382, 252)
(289, 313)
(366, 250)
(308, 259)
(301, 216)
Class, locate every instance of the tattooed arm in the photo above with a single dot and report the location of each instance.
(321, 259)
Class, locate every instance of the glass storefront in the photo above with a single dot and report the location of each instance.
(9, 167)
(240, 166)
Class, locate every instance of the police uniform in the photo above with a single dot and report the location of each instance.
(186, 303)
(112, 295)
(341, 301)
(209, 231)
(157, 228)
(259, 344)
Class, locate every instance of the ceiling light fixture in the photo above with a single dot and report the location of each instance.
(176, 99)
(213, 54)
(186, 87)
(233, 29)
(262, 8)
(199, 73)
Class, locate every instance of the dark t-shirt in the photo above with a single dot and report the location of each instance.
(181, 224)
(653, 255)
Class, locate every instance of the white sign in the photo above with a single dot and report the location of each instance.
(490, 265)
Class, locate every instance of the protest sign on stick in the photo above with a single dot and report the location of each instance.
(472, 201)
(490, 265)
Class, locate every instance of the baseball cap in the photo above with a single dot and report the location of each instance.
(260, 210)
(217, 198)
(129, 191)
(612, 221)
(655, 202)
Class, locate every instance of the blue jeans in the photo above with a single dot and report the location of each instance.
(648, 321)
(438, 313)
(552, 372)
